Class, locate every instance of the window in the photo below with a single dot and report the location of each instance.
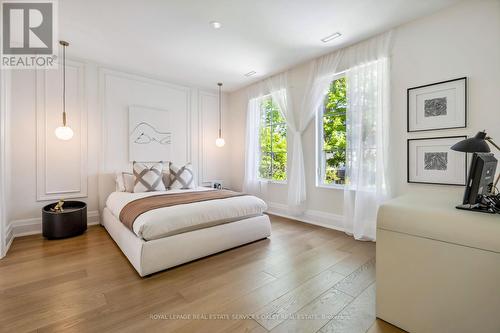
(331, 135)
(272, 142)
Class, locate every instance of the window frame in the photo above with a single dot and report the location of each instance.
(270, 180)
(320, 163)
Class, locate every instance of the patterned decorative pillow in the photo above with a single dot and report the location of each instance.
(181, 178)
(148, 178)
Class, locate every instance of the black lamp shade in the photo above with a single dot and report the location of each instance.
(476, 144)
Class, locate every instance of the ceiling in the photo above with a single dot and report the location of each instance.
(173, 40)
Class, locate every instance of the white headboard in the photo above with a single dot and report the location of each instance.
(107, 185)
(122, 91)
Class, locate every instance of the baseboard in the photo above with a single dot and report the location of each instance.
(33, 226)
(316, 217)
(9, 238)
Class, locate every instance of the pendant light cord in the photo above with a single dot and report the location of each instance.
(220, 112)
(64, 85)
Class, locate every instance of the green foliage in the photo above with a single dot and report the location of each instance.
(334, 131)
(273, 144)
(273, 137)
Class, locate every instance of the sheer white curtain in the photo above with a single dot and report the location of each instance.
(277, 88)
(367, 131)
(280, 93)
(251, 183)
(321, 72)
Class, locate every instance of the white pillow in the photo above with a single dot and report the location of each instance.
(148, 178)
(120, 187)
(128, 181)
(182, 178)
(124, 182)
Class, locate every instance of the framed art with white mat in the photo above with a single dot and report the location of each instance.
(437, 106)
(431, 161)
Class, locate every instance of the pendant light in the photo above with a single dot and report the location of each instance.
(64, 132)
(220, 140)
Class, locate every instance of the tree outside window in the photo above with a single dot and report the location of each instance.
(332, 131)
(273, 142)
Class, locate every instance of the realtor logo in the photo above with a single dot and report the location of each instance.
(28, 34)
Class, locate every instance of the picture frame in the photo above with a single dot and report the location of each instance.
(150, 134)
(431, 161)
(437, 106)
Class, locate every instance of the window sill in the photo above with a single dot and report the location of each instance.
(269, 181)
(331, 187)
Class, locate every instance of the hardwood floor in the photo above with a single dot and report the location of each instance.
(303, 279)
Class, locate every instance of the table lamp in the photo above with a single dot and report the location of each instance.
(477, 144)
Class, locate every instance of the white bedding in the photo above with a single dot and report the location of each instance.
(168, 221)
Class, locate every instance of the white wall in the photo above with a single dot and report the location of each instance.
(463, 40)
(4, 209)
(34, 155)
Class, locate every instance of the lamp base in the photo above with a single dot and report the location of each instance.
(477, 208)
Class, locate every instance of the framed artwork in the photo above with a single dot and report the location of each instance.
(437, 106)
(150, 134)
(431, 161)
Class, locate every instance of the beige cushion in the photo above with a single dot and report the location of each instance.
(166, 175)
(124, 182)
(119, 186)
(432, 214)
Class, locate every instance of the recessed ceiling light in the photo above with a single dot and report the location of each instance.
(331, 37)
(215, 24)
(251, 73)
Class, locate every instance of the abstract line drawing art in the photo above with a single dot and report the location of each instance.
(436, 161)
(151, 134)
(145, 133)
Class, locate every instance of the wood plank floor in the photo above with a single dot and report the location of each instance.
(303, 279)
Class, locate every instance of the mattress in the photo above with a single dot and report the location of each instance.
(169, 221)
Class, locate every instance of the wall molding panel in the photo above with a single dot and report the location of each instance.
(61, 165)
(32, 226)
(117, 92)
(208, 119)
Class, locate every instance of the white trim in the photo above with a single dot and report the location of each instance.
(33, 226)
(41, 133)
(272, 181)
(8, 239)
(320, 170)
(332, 186)
(316, 217)
(4, 164)
(201, 130)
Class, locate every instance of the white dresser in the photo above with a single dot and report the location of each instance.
(438, 268)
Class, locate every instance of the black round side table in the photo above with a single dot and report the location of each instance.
(72, 221)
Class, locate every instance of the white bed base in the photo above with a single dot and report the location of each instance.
(149, 257)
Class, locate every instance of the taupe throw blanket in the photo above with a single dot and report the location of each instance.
(133, 209)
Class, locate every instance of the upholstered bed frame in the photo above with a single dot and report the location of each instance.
(149, 257)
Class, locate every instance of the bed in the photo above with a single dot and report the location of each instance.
(162, 237)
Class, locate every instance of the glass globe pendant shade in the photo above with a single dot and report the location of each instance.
(220, 142)
(64, 133)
